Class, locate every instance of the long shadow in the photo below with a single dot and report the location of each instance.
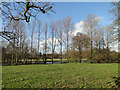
(117, 81)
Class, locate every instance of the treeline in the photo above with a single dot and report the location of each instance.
(41, 41)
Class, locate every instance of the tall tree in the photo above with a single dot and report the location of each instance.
(90, 26)
(53, 36)
(39, 34)
(46, 29)
(99, 38)
(99, 45)
(67, 27)
(109, 39)
(18, 29)
(59, 31)
(32, 33)
(61, 39)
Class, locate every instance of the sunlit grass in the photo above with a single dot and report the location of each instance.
(72, 75)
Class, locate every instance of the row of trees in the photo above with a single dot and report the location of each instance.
(97, 41)
(57, 38)
(24, 44)
(37, 39)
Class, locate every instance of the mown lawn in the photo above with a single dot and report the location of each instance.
(72, 75)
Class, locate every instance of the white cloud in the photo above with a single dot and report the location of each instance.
(98, 18)
(78, 28)
(115, 47)
(55, 40)
(49, 41)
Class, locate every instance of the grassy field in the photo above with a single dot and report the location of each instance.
(72, 75)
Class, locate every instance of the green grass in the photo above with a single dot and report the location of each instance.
(72, 75)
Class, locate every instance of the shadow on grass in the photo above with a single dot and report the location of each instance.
(117, 81)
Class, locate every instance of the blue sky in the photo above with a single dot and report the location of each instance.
(79, 10)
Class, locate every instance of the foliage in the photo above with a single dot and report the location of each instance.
(103, 56)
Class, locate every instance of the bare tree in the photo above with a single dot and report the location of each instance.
(32, 28)
(99, 45)
(99, 38)
(90, 26)
(102, 38)
(67, 27)
(18, 29)
(16, 11)
(80, 42)
(61, 40)
(46, 29)
(24, 10)
(59, 31)
(60, 36)
(52, 32)
(109, 36)
(39, 34)
(24, 46)
(109, 39)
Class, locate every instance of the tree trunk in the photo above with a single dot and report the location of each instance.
(80, 57)
(67, 46)
(52, 44)
(45, 43)
(61, 52)
(91, 50)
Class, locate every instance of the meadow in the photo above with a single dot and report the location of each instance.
(71, 75)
